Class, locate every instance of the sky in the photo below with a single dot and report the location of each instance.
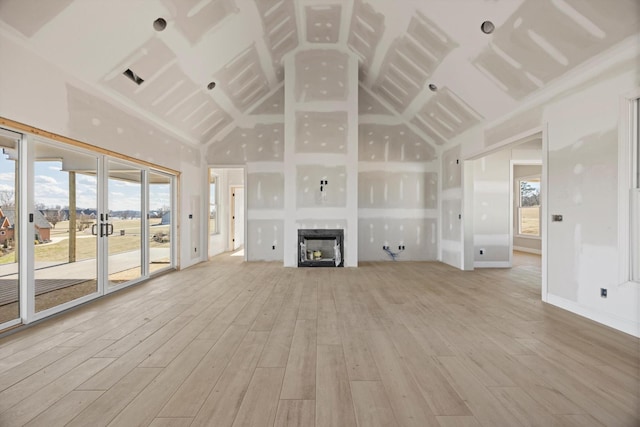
(51, 187)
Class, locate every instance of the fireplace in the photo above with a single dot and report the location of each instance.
(320, 248)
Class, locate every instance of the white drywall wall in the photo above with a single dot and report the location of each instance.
(321, 96)
(582, 137)
(491, 187)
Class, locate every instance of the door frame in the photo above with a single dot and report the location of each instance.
(467, 251)
(232, 222)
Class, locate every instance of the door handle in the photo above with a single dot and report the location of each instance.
(109, 229)
(102, 234)
(94, 230)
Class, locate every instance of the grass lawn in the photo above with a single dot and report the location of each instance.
(86, 243)
(530, 221)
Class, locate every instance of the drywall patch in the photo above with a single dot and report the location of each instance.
(273, 104)
(280, 29)
(323, 23)
(263, 143)
(369, 104)
(367, 28)
(170, 94)
(318, 132)
(321, 75)
(444, 116)
(195, 18)
(410, 60)
(392, 143)
(28, 16)
(451, 222)
(243, 79)
(516, 125)
(417, 235)
(265, 190)
(320, 223)
(397, 190)
(451, 169)
(265, 240)
(145, 61)
(543, 40)
(308, 185)
(587, 169)
(122, 132)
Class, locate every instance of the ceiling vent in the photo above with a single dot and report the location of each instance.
(133, 77)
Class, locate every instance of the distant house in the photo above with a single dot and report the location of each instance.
(7, 225)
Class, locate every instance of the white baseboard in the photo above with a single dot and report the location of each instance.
(627, 326)
(491, 264)
(528, 250)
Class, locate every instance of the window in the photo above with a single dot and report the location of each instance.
(529, 206)
(213, 203)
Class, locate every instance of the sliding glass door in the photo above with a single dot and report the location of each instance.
(125, 221)
(160, 222)
(9, 229)
(75, 225)
(65, 197)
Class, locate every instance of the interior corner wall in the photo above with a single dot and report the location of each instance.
(582, 250)
(451, 208)
(491, 219)
(321, 144)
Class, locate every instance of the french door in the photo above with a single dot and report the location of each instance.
(76, 225)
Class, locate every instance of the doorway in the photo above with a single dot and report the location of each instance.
(227, 211)
(504, 193)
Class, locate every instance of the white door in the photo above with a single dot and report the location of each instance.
(237, 219)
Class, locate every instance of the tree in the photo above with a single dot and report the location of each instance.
(52, 217)
(7, 198)
(529, 195)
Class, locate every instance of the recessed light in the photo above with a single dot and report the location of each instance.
(211, 85)
(159, 24)
(432, 87)
(487, 27)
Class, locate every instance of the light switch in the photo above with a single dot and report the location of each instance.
(556, 218)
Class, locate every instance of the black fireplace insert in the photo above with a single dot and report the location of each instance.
(321, 248)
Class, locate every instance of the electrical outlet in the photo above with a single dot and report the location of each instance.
(401, 248)
(481, 251)
(603, 292)
(385, 248)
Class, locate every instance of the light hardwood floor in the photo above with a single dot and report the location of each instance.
(227, 343)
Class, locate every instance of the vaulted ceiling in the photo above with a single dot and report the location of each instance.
(403, 47)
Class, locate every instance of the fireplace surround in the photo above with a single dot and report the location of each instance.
(320, 248)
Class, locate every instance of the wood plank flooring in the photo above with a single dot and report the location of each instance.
(227, 343)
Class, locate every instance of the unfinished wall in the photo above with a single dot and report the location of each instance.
(260, 148)
(451, 208)
(582, 250)
(397, 187)
(76, 111)
(321, 145)
(491, 188)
